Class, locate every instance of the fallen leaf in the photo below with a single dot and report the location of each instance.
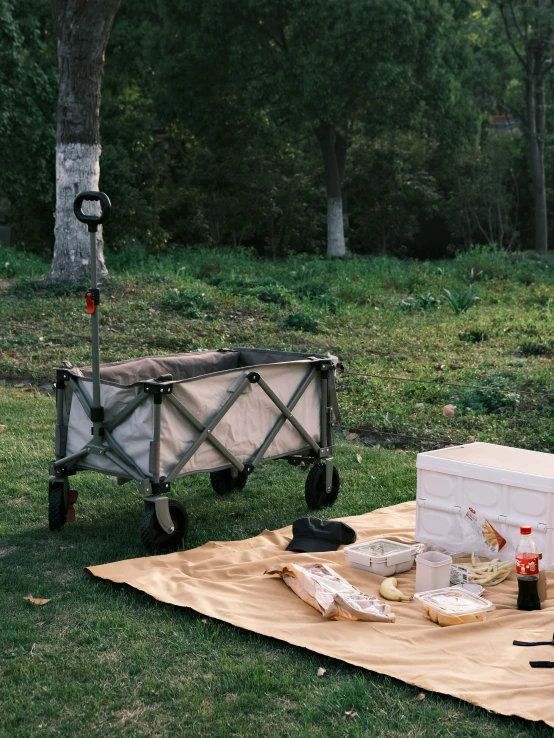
(358, 458)
(10, 354)
(420, 404)
(29, 389)
(2, 428)
(352, 436)
(350, 713)
(321, 671)
(420, 697)
(19, 397)
(448, 410)
(19, 385)
(36, 600)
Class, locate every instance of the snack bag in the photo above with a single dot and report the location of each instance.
(331, 595)
(492, 541)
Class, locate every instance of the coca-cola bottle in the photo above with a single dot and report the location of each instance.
(527, 570)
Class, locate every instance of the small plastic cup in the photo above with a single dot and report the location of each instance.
(432, 571)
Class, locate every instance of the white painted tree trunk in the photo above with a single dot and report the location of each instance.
(77, 169)
(335, 228)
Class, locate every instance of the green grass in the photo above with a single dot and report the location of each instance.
(106, 660)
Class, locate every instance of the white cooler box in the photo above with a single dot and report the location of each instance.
(509, 486)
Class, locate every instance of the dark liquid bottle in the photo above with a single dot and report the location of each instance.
(528, 593)
(527, 568)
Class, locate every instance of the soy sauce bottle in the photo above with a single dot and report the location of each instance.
(527, 569)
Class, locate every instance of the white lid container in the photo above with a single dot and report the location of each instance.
(381, 556)
(453, 606)
(432, 571)
(510, 487)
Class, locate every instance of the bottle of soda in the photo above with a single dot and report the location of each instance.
(527, 569)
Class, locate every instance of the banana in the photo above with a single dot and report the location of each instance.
(389, 591)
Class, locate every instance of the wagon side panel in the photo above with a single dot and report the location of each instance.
(245, 426)
(133, 435)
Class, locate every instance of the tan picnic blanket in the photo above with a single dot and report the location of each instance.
(475, 662)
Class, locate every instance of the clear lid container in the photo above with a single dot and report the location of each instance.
(382, 548)
(454, 601)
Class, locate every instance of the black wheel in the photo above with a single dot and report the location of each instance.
(154, 537)
(315, 492)
(57, 503)
(223, 482)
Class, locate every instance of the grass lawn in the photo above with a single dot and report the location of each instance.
(103, 660)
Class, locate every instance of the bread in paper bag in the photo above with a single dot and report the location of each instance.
(330, 594)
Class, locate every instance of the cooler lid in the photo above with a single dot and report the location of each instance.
(492, 456)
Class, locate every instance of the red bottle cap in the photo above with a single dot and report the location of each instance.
(525, 530)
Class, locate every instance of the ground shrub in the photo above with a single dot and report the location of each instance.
(483, 263)
(473, 335)
(462, 301)
(421, 302)
(271, 293)
(190, 301)
(493, 395)
(301, 322)
(530, 348)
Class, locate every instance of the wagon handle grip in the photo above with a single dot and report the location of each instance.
(92, 221)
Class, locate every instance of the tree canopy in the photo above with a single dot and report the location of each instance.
(227, 121)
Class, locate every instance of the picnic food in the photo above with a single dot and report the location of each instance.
(485, 573)
(451, 606)
(389, 591)
(330, 594)
(490, 535)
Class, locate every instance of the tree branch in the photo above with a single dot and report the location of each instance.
(518, 29)
(510, 39)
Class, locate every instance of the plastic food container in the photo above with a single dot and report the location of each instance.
(383, 557)
(432, 571)
(453, 606)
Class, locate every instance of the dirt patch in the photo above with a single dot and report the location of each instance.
(5, 284)
(26, 384)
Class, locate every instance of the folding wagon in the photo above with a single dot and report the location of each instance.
(158, 418)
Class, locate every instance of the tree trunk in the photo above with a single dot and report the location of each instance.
(82, 29)
(535, 98)
(333, 150)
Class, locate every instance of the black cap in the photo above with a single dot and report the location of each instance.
(313, 534)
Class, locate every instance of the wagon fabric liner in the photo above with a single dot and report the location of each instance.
(202, 385)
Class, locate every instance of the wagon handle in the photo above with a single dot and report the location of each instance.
(92, 221)
(93, 301)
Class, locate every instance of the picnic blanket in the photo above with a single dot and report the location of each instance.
(475, 662)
